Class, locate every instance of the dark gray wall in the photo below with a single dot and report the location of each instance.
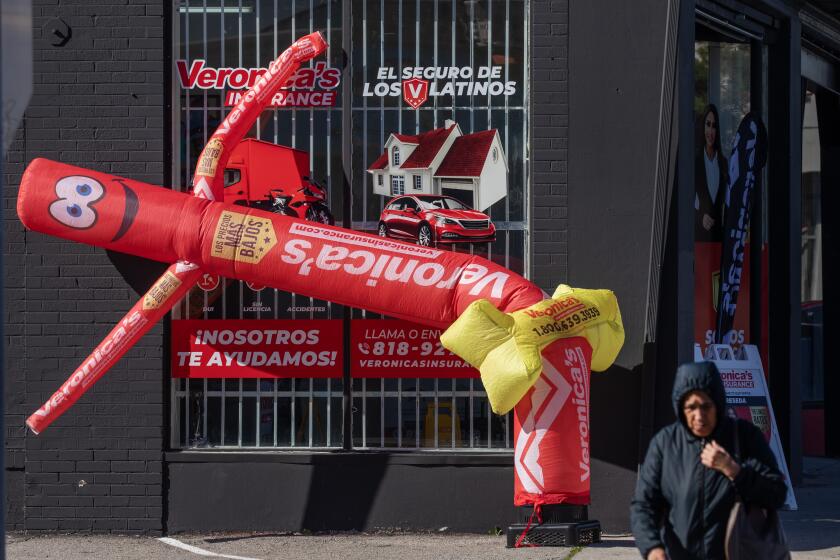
(615, 90)
(339, 491)
(615, 86)
(549, 142)
(99, 103)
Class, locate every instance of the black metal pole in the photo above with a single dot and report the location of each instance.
(347, 221)
(2, 348)
(756, 215)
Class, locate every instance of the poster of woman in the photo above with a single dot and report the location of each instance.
(710, 178)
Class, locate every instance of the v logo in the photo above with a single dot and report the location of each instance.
(415, 92)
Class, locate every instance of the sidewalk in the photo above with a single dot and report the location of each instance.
(813, 531)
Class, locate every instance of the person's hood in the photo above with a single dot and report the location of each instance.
(699, 376)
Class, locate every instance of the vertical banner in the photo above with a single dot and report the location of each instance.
(707, 257)
(749, 154)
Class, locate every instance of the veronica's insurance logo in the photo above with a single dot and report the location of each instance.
(415, 92)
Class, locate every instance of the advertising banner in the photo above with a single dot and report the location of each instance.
(393, 348)
(729, 153)
(308, 87)
(746, 162)
(439, 112)
(256, 348)
(748, 398)
(706, 290)
(444, 126)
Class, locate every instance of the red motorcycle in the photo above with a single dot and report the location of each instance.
(307, 202)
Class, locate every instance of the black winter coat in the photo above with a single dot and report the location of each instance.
(684, 506)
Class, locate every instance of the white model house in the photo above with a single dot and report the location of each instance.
(470, 167)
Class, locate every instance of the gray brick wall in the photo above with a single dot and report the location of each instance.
(549, 141)
(99, 103)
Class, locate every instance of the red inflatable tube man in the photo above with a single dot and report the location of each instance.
(420, 284)
(416, 283)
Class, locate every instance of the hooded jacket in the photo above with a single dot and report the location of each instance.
(684, 506)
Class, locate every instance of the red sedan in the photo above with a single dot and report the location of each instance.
(431, 219)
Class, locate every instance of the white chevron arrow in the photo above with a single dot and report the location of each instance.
(202, 189)
(184, 266)
(550, 393)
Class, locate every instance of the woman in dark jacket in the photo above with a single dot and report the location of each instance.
(690, 479)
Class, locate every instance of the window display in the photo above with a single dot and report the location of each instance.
(724, 72)
(468, 69)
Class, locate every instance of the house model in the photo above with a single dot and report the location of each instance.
(470, 167)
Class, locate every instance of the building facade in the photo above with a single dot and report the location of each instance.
(586, 114)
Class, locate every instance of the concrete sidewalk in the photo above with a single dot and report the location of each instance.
(813, 531)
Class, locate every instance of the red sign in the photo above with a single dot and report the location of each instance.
(290, 98)
(706, 288)
(257, 348)
(208, 282)
(308, 87)
(394, 348)
(415, 92)
(198, 75)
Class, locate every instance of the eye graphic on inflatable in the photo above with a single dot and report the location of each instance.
(76, 194)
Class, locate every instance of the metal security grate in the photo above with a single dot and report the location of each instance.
(307, 413)
(426, 414)
(415, 414)
(257, 413)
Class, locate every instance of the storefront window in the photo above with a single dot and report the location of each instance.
(724, 70)
(444, 83)
(441, 84)
(242, 36)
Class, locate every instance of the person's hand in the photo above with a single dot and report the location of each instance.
(716, 457)
(708, 222)
(657, 554)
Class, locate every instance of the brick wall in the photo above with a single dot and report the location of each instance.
(99, 103)
(549, 140)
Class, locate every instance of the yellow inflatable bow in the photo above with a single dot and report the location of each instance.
(505, 347)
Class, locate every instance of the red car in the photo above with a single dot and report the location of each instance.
(430, 219)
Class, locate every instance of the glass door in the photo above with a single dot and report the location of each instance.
(729, 76)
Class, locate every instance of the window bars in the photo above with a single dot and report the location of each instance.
(409, 413)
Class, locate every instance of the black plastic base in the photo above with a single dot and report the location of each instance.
(555, 534)
(562, 525)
